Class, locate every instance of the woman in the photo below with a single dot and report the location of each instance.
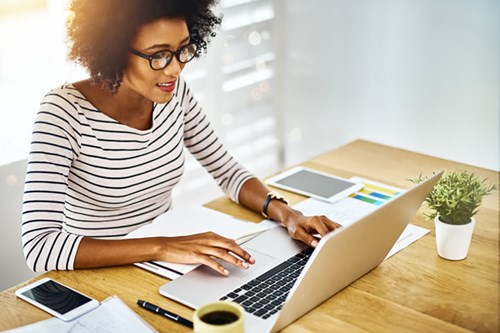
(107, 151)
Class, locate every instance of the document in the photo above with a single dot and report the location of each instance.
(113, 315)
(350, 209)
(190, 220)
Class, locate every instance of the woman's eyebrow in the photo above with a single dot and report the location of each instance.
(167, 46)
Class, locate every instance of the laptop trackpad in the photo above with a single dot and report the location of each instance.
(204, 285)
(261, 260)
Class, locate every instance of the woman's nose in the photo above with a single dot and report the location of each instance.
(174, 67)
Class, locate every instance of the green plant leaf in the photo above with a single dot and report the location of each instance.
(456, 196)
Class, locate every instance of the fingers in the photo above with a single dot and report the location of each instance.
(321, 225)
(228, 250)
(305, 237)
(324, 225)
(304, 229)
(206, 248)
(226, 255)
(213, 264)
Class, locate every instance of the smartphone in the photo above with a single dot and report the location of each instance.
(57, 299)
(314, 184)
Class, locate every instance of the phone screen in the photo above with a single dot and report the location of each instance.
(56, 297)
(315, 183)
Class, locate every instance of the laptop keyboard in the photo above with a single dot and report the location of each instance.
(265, 295)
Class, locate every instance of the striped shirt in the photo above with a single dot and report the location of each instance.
(89, 175)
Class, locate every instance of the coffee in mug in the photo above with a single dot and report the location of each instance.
(219, 317)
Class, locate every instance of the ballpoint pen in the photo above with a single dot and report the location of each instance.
(165, 313)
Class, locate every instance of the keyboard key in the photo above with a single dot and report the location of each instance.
(269, 291)
(247, 303)
(252, 310)
(279, 292)
(269, 307)
(260, 312)
(257, 306)
(275, 278)
(273, 271)
(276, 302)
(262, 303)
(240, 299)
(257, 289)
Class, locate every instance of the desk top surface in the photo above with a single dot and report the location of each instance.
(415, 290)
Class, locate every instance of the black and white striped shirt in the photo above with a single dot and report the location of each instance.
(89, 175)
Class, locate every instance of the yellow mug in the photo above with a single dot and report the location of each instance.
(219, 317)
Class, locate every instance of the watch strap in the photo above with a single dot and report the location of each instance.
(271, 196)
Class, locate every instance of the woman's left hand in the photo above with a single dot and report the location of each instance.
(303, 228)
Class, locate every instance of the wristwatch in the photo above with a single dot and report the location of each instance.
(272, 196)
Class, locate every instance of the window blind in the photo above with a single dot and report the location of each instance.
(234, 82)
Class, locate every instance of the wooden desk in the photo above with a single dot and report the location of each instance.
(415, 290)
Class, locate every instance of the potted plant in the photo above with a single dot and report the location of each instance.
(453, 202)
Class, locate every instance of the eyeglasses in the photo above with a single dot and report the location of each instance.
(162, 59)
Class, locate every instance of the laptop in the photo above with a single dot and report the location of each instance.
(289, 278)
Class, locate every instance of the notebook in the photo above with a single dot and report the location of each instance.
(337, 261)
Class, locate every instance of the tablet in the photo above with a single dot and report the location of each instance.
(314, 184)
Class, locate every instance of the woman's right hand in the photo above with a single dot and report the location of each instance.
(203, 249)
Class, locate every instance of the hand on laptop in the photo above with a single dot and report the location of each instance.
(305, 228)
(202, 249)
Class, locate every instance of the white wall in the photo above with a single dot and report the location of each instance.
(32, 61)
(422, 75)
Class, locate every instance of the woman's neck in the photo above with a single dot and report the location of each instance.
(126, 107)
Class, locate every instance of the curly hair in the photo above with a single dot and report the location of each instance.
(100, 32)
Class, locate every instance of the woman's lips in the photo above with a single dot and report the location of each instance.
(167, 87)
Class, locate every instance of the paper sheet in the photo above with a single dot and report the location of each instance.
(111, 316)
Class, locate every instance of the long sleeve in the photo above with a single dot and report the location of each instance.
(53, 147)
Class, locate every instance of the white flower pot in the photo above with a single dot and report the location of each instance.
(453, 240)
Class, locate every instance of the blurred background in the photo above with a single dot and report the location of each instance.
(284, 81)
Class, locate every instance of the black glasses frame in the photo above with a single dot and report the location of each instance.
(176, 53)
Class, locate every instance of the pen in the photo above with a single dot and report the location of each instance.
(165, 313)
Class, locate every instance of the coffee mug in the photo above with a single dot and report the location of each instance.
(219, 317)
